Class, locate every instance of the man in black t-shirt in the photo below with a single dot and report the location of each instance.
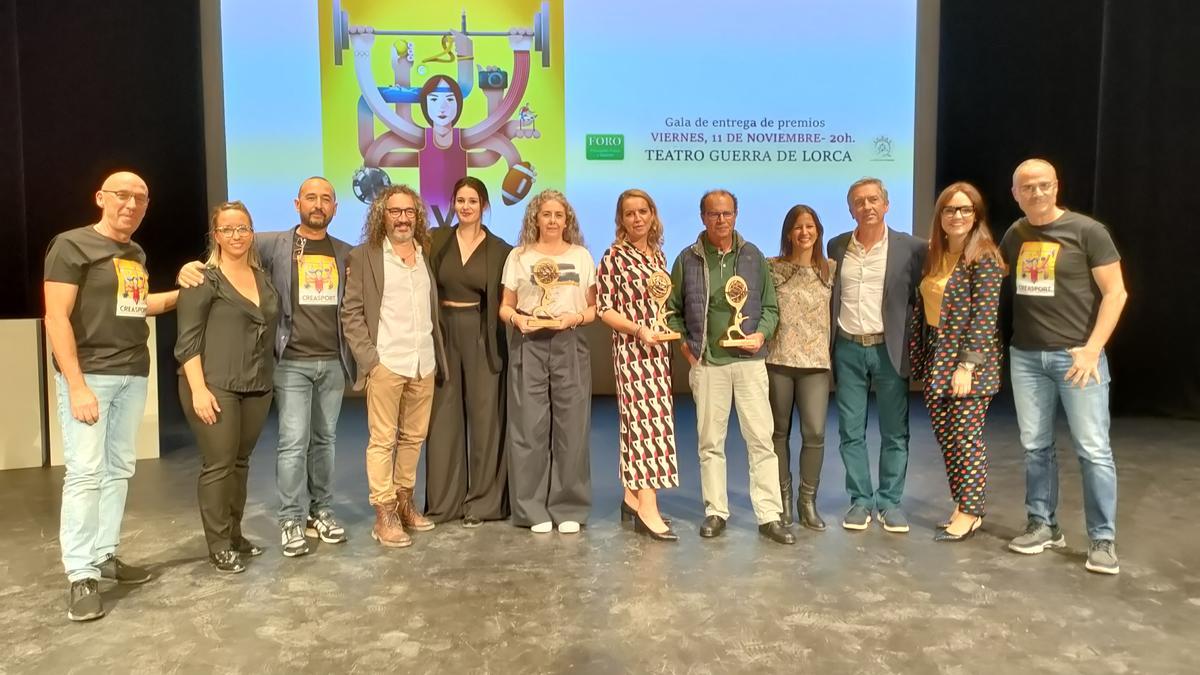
(97, 300)
(1068, 296)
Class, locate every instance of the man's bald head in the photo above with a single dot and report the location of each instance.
(122, 198)
(316, 203)
(1031, 166)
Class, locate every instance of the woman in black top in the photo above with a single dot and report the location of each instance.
(466, 472)
(225, 345)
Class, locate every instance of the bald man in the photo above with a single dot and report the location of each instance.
(97, 300)
(1068, 296)
(308, 269)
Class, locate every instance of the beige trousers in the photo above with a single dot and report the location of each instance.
(398, 410)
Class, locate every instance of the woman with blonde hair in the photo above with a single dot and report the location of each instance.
(641, 362)
(226, 350)
(549, 291)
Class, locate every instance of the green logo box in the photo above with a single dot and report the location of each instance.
(605, 146)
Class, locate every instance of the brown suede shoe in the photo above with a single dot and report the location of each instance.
(410, 517)
(387, 530)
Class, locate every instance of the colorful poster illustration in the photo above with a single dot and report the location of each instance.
(425, 94)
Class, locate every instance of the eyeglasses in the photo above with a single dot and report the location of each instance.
(1034, 188)
(720, 215)
(951, 211)
(396, 212)
(125, 195)
(239, 231)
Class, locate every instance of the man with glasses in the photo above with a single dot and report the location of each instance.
(702, 312)
(308, 268)
(97, 300)
(1068, 296)
(878, 272)
(390, 317)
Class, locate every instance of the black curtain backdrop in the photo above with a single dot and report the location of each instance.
(1105, 90)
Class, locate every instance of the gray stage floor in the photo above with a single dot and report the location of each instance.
(499, 599)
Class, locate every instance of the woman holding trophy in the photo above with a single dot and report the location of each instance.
(632, 288)
(549, 290)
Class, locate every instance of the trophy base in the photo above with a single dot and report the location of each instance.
(667, 336)
(737, 342)
(544, 323)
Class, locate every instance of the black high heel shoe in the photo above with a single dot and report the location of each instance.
(641, 527)
(947, 537)
(628, 513)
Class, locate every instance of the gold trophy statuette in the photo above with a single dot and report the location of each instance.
(545, 274)
(659, 289)
(736, 292)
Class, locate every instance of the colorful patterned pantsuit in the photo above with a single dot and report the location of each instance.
(958, 427)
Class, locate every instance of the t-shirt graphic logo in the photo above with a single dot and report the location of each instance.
(318, 280)
(1035, 275)
(132, 288)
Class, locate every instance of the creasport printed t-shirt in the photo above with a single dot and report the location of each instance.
(109, 316)
(1056, 298)
(315, 283)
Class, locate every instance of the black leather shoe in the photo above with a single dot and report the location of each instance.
(628, 513)
(641, 527)
(229, 562)
(945, 536)
(245, 547)
(777, 532)
(712, 526)
(471, 522)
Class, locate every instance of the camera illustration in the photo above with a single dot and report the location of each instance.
(493, 78)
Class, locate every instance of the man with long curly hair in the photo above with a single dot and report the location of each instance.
(390, 317)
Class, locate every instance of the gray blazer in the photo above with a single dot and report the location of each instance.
(360, 312)
(905, 257)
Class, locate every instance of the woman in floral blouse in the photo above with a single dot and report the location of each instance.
(798, 360)
(955, 348)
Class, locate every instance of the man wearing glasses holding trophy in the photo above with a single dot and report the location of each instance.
(723, 303)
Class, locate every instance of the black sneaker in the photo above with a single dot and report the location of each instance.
(1037, 538)
(229, 562)
(246, 547)
(324, 525)
(114, 569)
(292, 538)
(84, 600)
(1102, 557)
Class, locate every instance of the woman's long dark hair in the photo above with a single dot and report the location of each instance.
(818, 253)
(979, 240)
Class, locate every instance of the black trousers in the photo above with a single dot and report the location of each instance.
(465, 469)
(225, 449)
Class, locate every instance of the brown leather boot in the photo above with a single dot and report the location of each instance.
(410, 517)
(387, 530)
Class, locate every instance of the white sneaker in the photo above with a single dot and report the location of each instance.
(542, 528)
(568, 527)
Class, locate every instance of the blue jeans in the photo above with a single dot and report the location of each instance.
(99, 460)
(308, 398)
(1038, 385)
(856, 368)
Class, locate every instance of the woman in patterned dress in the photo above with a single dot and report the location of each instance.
(798, 361)
(641, 361)
(955, 348)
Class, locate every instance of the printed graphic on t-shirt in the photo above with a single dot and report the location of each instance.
(1035, 273)
(318, 280)
(132, 288)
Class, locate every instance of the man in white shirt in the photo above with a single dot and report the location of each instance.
(389, 316)
(878, 270)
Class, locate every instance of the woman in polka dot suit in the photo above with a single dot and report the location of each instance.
(955, 348)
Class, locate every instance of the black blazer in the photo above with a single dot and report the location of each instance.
(496, 250)
(905, 257)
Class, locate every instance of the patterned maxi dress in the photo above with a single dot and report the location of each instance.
(643, 373)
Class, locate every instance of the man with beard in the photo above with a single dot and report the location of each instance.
(308, 267)
(390, 318)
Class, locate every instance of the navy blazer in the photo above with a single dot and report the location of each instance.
(905, 258)
(275, 253)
